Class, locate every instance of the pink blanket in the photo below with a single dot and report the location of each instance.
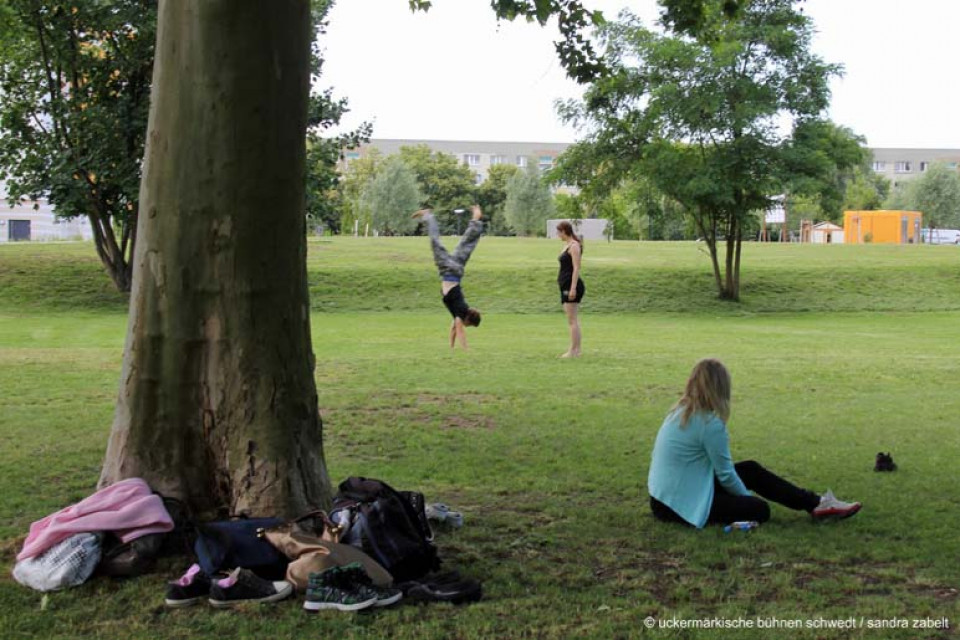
(128, 508)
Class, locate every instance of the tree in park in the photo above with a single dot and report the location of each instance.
(447, 184)
(391, 197)
(529, 202)
(217, 401)
(696, 110)
(360, 172)
(570, 206)
(492, 194)
(324, 205)
(864, 189)
(75, 86)
(937, 194)
(820, 160)
(83, 145)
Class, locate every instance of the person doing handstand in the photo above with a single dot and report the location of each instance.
(451, 268)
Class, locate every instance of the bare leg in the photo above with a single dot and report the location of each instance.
(570, 308)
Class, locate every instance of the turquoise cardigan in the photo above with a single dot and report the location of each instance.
(685, 461)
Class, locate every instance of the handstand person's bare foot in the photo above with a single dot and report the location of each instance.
(421, 213)
(476, 211)
(570, 354)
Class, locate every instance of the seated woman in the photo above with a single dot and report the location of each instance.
(693, 479)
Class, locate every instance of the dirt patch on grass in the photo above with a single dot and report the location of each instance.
(459, 398)
(468, 422)
(453, 412)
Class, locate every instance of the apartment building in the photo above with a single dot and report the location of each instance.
(901, 165)
(477, 155)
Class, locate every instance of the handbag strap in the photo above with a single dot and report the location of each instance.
(334, 529)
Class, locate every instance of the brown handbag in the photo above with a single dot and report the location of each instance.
(311, 544)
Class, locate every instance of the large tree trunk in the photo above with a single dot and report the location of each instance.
(218, 403)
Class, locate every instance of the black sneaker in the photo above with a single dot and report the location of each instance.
(242, 586)
(191, 588)
(331, 589)
(449, 586)
(356, 575)
(459, 592)
(885, 463)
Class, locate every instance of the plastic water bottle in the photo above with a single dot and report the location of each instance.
(742, 525)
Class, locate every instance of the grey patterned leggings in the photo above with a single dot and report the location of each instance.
(451, 266)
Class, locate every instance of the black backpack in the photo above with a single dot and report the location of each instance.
(389, 526)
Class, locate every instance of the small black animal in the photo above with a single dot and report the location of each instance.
(885, 463)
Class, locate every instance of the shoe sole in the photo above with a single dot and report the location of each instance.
(226, 604)
(838, 514)
(179, 604)
(386, 602)
(313, 607)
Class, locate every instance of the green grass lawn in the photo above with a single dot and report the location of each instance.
(836, 353)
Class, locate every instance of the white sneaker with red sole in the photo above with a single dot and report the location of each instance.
(831, 507)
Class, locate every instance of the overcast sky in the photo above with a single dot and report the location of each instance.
(455, 74)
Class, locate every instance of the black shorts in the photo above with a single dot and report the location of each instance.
(565, 291)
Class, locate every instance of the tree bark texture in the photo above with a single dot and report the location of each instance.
(217, 402)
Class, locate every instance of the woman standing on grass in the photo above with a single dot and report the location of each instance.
(693, 479)
(571, 286)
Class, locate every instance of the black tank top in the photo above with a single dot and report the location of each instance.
(566, 267)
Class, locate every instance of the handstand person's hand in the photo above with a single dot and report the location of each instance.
(477, 213)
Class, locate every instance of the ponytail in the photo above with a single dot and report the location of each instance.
(566, 228)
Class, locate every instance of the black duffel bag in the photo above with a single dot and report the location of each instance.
(389, 526)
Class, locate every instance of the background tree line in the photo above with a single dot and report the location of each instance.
(378, 193)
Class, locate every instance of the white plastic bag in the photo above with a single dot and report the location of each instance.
(66, 564)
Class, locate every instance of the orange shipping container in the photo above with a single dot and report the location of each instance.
(882, 227)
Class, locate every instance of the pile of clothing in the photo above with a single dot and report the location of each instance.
(103, 531)
(374, 548)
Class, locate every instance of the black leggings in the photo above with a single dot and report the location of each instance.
(727, 507)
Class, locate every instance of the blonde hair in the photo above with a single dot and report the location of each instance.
(708, 389)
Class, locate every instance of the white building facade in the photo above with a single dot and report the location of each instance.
(586, 228)
(826, 233)
(478, 156)
(35, 220)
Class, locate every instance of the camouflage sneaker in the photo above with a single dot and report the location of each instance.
(357, 576)
(330, 589)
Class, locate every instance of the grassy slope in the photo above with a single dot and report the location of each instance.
(548, 458)
(518, 276)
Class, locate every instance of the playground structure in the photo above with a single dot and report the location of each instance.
(775, 215)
